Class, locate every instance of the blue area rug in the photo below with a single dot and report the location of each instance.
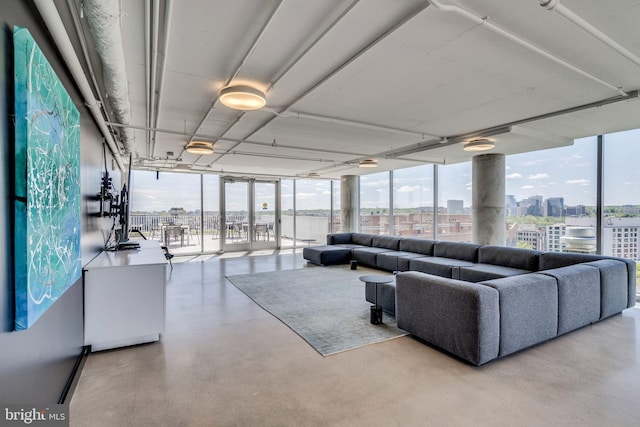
(324, 305)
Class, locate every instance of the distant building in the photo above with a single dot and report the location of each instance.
(630, 210)
(531, 236)
(619, 235)
(579, 240)
(555, 206)
(177, 211)
(578, 210)
(531, 206)
(510, 205)
(553, 233)
(455, 206)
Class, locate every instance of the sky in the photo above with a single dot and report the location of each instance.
(568, 172)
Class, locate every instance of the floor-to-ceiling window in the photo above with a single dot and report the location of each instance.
(454, 202)
(312, 211)
(287, 198)
(621, 222)
(550, 190)
(413, 202)
(211, 213)
(374, 203)
(336, 225)
(167, 207)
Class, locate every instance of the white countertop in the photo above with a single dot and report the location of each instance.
(149, 253)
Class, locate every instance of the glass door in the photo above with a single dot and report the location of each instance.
(235, 221)
(266, 224)
(250, 218)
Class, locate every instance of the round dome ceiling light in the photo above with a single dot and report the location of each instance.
(368, 163)
(482, 144)
(243, 98)
(199, 147)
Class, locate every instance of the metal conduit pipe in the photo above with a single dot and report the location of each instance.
(246, 56)
(147, 73)
(151, 108)
(517, 39)
(54, 24)
(168, 11)
(104, 25)
(410, 15)
(286, 69)
(554, 5)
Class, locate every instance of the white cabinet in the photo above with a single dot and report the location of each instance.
(125, 297)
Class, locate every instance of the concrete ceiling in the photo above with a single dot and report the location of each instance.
(403, 82)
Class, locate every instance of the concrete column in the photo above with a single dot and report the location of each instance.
(488, 189)
(349, 203)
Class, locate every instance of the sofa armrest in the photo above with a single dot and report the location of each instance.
(459, 317)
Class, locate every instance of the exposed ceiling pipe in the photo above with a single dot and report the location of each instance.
(104, 24)
(147, 73)
(567, 13)
(289, 66)
(83, 44)
(406, 18)
(522, 42)
(246, 56)
(238, 140)
(168, 11)
(54, 24)
(315, 41)
(364, 125)
(155, 31)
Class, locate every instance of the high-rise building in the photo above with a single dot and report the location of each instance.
(510, 205)
(578, 210)
(532, 206)
(555, 206)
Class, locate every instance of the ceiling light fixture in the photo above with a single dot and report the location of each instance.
(368, 163)
(199, 147)
(243, 98)
(481, 144)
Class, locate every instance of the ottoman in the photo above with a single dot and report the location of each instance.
(325, 255)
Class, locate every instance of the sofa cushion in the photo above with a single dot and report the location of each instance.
(444, 267)
(578, 296)
(523, 259)
(459, 317)
(528, 310)
(559, 259)
(419, 246)
(338, 238)
(361, 239)
(396, 260)
(386, 242)
(613, 286)
(326, 255)
(480, 272)
(457, 250)
(367, 256)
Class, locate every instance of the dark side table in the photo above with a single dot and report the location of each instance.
(376, 279)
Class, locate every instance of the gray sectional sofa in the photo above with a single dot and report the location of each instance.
(484, 302)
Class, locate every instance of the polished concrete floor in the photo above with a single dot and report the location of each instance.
(223, 361)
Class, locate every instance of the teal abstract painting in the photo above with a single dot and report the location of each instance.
(47, 184)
